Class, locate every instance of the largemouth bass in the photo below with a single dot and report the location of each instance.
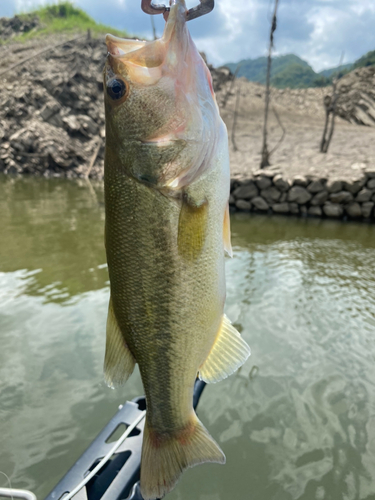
(167, 226)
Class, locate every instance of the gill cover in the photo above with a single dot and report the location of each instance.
(146, 62)
(169, 102)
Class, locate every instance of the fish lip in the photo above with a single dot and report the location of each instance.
(114, 44)
(112, 48)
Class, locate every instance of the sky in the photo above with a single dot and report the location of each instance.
(318, 31)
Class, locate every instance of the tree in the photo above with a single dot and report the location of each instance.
(330, 102)
(265, 153)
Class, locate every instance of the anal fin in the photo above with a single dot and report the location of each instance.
(119, 362)
(228, 353)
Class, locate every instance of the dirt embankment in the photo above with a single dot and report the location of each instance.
(51, 107)
(302, 115)
(52, 117)
(356, 103)
(51, 111)
(301, 180)
(17, 25)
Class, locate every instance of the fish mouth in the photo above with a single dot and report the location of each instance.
(118, 47)
(152, 53)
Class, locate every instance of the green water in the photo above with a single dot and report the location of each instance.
(297, 422)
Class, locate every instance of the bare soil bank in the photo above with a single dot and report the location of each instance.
(301, 180)
(52, 119)
(302, 114)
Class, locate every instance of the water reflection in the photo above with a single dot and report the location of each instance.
(297, 422)
(54, 226)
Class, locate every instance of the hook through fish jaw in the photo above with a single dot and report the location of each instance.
(204, 7)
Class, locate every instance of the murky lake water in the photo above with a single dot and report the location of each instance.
(297, 422)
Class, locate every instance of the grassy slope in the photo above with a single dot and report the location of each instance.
(295, 76)
(337, 69)
(293, 72)
(366, 60)
(63, 17)
(255, 70)
(286, 71)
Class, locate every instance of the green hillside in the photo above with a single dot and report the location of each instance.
(366, 60)
(344, 68)
(286, 71)
(297, 76)
(255, 70)
(293, 72)
(63, 17)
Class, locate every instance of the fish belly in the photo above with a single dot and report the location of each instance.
(168, 308)
(166, 269)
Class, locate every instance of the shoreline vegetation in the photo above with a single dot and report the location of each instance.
(52, 122)
(290, 71)
(61, 18)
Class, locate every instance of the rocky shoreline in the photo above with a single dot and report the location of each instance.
(267, 191)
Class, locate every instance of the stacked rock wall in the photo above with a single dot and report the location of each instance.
(270, 192)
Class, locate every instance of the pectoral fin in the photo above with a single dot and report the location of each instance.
(228, 353)
(119, 362)
(192, 226)
(226, 233)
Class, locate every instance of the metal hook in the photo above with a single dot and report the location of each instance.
(204, 7)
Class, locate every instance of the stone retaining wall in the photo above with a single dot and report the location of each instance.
(270, 192)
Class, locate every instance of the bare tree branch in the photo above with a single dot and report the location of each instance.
(282, 128)
(153, 27)
(265, 153)
(93, 158)
(330, 103)
(327, 104)
(39, 53)
(230, 89)
(233, 135)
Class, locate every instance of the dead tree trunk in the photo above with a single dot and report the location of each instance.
(265, 153)
(327, 105)
(330, 108)
(328, 142)
(235, 113)
(228, 93)
(153, 27)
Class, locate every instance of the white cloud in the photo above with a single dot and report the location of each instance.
(316, 30)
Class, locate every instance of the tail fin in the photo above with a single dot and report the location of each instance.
(165, 457)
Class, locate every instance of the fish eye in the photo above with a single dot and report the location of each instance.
(116, 88)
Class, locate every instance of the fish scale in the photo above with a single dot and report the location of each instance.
(167, 225)
(169, 287)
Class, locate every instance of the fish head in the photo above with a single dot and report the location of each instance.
(160, 107)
